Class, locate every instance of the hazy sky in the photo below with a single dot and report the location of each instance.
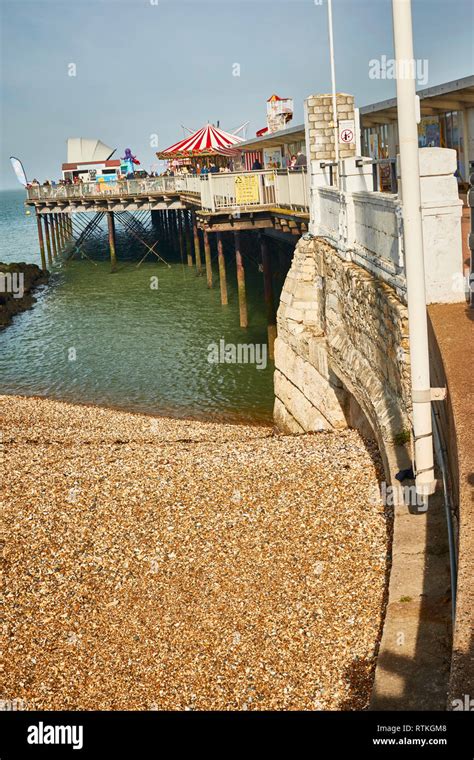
(146, 67)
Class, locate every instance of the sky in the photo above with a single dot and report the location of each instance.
(144, 68)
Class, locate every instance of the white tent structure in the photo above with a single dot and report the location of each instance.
(85, 150)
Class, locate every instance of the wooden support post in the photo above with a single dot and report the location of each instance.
(240, 282)
(56, 232)
(181, 234)
(48, 239)
(207, 254)
(57, 227)
(41, 241)
(269, 300)
(189, 242)
(64, 229)
(53, 234)
(171, 226)
(221, 262)
(113, 255)
(174, 220)
(197, 247)
(61, 230)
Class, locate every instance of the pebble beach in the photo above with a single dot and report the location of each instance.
(164, 564)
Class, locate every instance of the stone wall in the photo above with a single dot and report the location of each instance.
(341, 356)
(320, 126)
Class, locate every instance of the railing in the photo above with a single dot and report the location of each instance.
(245, 190)
(129, 187)
(470, 198)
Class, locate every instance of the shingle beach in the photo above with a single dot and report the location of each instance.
(166, 564)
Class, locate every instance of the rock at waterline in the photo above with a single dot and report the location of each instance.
(17, 282)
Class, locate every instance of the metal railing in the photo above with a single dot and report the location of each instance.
(470, 200)
(215, 191)
(128, 187)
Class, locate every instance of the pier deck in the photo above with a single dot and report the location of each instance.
(241, 196)
(185, 211)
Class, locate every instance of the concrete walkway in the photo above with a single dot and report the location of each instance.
(453, 325)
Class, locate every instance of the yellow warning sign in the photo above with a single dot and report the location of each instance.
(246, 189)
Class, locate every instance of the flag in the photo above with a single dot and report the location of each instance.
(19, 171)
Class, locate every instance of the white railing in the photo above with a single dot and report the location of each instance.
(241, 190)
(292, 189)
(366, 227)
(130, 187)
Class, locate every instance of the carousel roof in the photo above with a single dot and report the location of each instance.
(208, 139)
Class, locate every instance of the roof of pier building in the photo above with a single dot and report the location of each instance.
(273, 140)
(450, 96)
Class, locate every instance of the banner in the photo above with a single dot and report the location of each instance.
(246, 189)
(17, 167)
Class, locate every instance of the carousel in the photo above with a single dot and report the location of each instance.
(209, 145)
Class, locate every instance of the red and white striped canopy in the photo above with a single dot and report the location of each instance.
(208, 139)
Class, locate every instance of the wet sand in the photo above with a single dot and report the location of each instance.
(155, 563)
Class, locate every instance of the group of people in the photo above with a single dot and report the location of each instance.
(294, 163)
(197, 169)
(48, 183)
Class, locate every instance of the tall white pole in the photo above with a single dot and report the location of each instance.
(333, 85)
(413, 234)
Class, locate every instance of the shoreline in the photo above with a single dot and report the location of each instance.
(170, 564)
(164, 415)
(32, 278)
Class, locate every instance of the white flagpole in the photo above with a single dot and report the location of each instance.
(414, 259)
(333, 84)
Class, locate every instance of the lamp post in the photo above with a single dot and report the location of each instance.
(413, 237)
(333, 86)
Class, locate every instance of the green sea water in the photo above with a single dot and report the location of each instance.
(116, 340)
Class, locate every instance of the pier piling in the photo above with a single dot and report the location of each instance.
(268, 293)
(181, 233)
(207, 254)
(57, 233)
(189, 244)
(63, 228)
(172, 218)
(222, 277)
(48, 239)
(243, 316)
(197, 248)
(52, 235)
(41, 241)
(113, 255)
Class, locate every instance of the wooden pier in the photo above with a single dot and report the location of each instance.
(187, 212)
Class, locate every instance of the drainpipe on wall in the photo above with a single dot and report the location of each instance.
(414, 259)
